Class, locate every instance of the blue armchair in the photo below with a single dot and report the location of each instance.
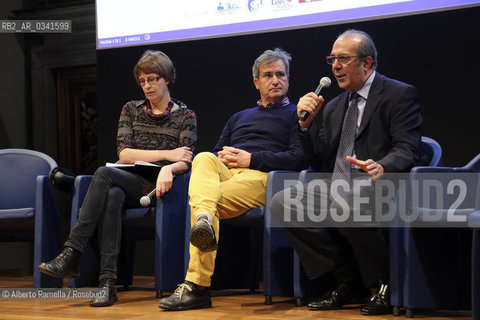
(27, 208)
(474, 223)
(277, 250)
(165, 223)
(398, 236)
(302, 286)
(433, 260)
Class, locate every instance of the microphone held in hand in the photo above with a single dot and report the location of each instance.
(145, 201)
(325, 82)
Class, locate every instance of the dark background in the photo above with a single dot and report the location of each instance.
(435, 52)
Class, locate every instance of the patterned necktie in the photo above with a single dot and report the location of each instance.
(347, 140)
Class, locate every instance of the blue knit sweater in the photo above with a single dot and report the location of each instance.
(269, 134)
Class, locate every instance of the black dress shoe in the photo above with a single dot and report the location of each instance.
(186, 296)
(105, 300)
(202, 236)
(379, 303)
(65, 265)
(337, 298)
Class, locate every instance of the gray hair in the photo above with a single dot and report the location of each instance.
(156, 62)
(269, 56)
(366, 47)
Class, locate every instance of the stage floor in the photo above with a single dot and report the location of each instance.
(139, 302)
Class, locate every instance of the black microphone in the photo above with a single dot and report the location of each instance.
(145, 201)
(325, 82)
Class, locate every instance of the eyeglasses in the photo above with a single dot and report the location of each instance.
(341, 59)
(150, 80)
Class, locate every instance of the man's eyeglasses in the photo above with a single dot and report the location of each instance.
(341, 59)
(150, 80)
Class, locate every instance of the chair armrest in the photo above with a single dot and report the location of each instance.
(81, 185)
(474, 220)
(277, 180)
(47, 215)
(277, 250)
(309, 174)
(47, 241)
(170, 236)
(176, 197)
(431, 169)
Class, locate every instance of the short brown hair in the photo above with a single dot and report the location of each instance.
(156, 62)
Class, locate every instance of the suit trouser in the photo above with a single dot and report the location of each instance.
(220, 193)
(349, 253)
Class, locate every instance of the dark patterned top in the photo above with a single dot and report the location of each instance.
(139, 131)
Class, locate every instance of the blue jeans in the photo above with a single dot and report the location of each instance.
(110, 191)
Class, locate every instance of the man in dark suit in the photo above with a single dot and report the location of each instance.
(374, 128)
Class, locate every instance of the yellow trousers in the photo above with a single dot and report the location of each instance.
(220, 193)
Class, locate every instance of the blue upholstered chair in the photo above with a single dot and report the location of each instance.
(165, 223)
(434, 261)
(304, 288)
(276, 250)
(474, 223)
(398, 236)
(238, 263)
(27, 208)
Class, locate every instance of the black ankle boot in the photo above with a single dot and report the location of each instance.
(65, 265)
(105, 300)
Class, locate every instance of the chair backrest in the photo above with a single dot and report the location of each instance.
(19, 169)
(433, 150)
(472, 169)
(473, 165)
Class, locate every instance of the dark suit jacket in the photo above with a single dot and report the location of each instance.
(389, 132)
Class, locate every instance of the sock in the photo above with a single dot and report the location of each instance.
(204, 216)
(196, 286)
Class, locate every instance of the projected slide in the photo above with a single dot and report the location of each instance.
(127, 23)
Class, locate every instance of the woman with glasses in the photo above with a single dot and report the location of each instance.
(160, 130)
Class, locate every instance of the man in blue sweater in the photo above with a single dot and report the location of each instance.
(233, 179)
